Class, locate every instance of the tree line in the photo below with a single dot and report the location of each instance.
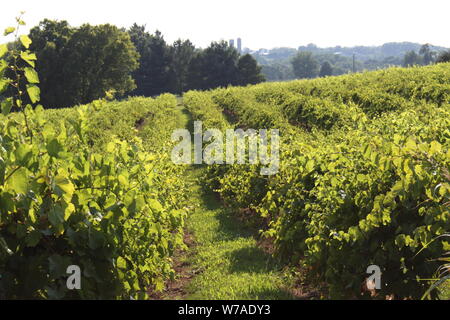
(425, 56)
(277, 62)
(77, 65)
(306, 64)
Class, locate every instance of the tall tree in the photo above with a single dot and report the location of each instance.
(50, 40)
(100, 59)
(216, 66)
(155, 74)
(326, 69)
(141, 40)
(249, 70)
(305, 65)
(182, 54)
(78, 65)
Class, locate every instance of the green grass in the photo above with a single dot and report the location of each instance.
(227, 260)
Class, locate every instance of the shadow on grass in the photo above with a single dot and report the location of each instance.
(247, 259)
(229, 226)
(190, 120)
(252, 259)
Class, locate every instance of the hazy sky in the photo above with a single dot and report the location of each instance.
(261, 24)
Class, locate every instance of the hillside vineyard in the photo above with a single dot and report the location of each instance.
(363, 180)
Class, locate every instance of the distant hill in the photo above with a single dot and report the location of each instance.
(277, 67)
(390, 49)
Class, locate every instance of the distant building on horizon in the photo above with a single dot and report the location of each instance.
(239, 44)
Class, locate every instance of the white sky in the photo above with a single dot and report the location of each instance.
(260, 24)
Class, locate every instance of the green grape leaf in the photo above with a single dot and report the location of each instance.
(3, 84)
(28, 58)
(54, 148)
(33, 238)
(435, 147)
(6, 106)
(155, 205)
(25, 40)
(31, 75)
(34, 93)
(8, 31)
(123, 181)
(63, 187)
(121, 263)
(68, 211)
(361, 178)
(56, 215)
(110, 147)
(18, 182)
(3, 66)
(32, 214)
(23, 154)
(3, 49)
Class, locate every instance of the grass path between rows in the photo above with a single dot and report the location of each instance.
(225, 260)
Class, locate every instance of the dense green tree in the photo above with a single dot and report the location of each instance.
(196, 76)
(326, 69)
(182, 54)
(100, 59)
(249, 70)
(78, 65)
(305, 65)
(141, 41)
(412, 59)
(443, 57)
(155, 74)
(50, 39)
(215, 66)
